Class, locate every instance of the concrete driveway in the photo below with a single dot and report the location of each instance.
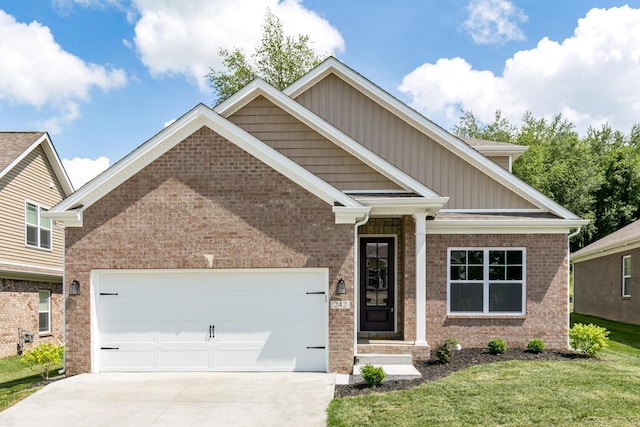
(178, 399)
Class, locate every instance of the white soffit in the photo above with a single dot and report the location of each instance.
(332, 66)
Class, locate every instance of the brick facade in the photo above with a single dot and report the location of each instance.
(208, 204)
(598, 288)
(19, 309)
(546, 295)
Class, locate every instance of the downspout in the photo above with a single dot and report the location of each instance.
(64, 301)
(575, 233)
(356, 287)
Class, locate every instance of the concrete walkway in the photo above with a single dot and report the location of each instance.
(178, 399)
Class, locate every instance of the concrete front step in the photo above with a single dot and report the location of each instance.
(394, 372)
(384, 359)
(393, 347)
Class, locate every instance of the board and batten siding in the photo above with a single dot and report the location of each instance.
(406, 147)
(306, 147)
(30, 180)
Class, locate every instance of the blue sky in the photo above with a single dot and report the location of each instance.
(103, 76)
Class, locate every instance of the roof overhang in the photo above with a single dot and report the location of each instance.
(392, 206)
(258, 87)
(504, 226)
(69, 212)
(622, 246)
(332, 66)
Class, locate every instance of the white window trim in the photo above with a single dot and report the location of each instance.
(625, 276)
(48, 331)
(40, 208)
(485, 283)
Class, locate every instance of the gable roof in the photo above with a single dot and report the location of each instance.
(259, 87)
(70, 210)
(625, 239)
(15, 146)
(452, 143)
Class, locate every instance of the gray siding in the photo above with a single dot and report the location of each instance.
(303, 145)
(407, 148)
(598, 288)
(30, 180)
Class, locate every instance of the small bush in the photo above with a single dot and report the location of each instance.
(372, 375)
(496, 346)
(535, 346)
(588, 339)
(445, 351)
(43, 358)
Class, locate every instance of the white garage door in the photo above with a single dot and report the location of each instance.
(227, 320)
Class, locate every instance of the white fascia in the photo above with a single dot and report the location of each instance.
(318, 124)
(426, 126)
(198, 117)
(403, 205)
(350, 215)
(480, 226)
(623, 246)
(53, 158)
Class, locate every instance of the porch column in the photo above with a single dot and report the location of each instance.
(421, 278)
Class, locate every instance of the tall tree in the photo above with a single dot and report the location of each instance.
(500, 130)
(618, 199)
(279, 60)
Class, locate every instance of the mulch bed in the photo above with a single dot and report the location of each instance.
(465, 358)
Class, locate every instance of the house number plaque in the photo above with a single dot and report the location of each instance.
(340, 305)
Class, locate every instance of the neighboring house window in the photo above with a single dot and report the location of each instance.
(486, 281)
(44, 311)
(626, 276)
(38, 228)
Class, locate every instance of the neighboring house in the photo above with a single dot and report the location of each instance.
(295, 230)
(605, 276)
(32, 180)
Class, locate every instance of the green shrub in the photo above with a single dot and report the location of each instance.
(496, 346)
(43, 358)
(588, 339)
(535, 346)
(372, 375)
(445, 351)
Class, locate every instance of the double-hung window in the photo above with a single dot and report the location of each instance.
(626, 276)
(44, 312)
(486, 281)
(38, 228)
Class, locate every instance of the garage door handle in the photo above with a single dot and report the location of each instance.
(310, 348)
(109, 348)
(212, 331)
(316, 293)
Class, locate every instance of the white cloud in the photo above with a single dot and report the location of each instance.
(184, 38)
(36, 71)
(81, 171)
(494, 21)
(590, 78)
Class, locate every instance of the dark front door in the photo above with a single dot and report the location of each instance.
(377, 287)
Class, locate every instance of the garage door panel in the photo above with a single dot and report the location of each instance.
(262, 320)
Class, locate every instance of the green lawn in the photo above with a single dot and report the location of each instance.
(571, 393)
(16, 379)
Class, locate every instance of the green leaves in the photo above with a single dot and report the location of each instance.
(596, 177)
(279, 61)
(43, 358)
(588, 339)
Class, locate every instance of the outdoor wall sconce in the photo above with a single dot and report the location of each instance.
(342, 288)
(74, 288)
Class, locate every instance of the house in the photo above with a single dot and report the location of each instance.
(296, 229)
(605, 276)
(32, 180)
